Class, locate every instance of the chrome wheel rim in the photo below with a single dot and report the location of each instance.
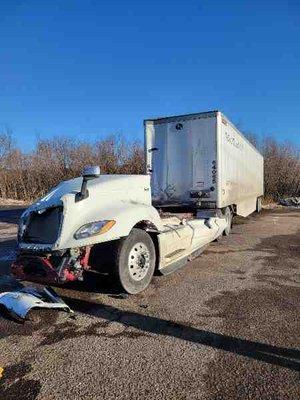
(138, 261)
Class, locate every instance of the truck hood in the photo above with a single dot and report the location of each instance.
(103, 185)
(126, 199)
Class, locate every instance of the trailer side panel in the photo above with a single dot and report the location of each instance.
(240, 169)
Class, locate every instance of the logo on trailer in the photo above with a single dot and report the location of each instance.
(234, 141)
(179, 127)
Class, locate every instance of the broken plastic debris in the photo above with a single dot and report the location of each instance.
(19, 302)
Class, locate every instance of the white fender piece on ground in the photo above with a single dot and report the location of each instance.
(18, 303)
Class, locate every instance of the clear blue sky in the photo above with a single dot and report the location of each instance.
(90, 67)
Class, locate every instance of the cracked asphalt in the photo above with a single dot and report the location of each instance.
(226, 326)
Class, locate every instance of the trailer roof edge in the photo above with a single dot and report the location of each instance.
(204, 114)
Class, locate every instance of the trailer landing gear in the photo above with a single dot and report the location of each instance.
(227, 213)
(258, 205)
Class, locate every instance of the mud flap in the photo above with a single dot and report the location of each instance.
(246, 207)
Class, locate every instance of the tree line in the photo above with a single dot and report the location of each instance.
(29, 175)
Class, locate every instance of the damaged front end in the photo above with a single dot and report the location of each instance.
(61, 234)
(54, 267)
(38, 259)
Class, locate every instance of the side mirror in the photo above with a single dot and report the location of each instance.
(87, 174)
(91, 172)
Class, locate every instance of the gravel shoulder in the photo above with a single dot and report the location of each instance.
(226, 326)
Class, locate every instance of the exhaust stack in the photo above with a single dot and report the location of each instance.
(88, 174)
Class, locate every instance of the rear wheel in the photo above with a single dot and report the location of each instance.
(227, 214)
(134, 261)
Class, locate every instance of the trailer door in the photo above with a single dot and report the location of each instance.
(181, 156)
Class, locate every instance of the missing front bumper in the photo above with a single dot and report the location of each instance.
(50, 269)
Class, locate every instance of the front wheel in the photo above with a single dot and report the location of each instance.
(134, 261)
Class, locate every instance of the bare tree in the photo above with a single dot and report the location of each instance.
(30, 175)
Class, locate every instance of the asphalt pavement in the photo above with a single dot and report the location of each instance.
(226, 326)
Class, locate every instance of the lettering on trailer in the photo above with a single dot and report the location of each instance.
(234, 141)
(214, 171)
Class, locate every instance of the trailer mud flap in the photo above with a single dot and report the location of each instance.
(246, 207)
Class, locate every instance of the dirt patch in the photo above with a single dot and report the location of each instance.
(99, 329)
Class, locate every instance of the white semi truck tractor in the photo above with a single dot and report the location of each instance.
(200, 171)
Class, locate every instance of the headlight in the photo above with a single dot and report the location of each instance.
(94, 228)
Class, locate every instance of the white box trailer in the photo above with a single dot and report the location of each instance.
(202, 159)
(113, 224)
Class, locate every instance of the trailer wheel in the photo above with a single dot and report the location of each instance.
(227, 214)
(134, 261)
(258, 205)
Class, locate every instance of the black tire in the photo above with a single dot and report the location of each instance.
(227, 214)
(258, 205)
(134, 278)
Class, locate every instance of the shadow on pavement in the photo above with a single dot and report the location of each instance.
(93, 282)
(288, 358)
